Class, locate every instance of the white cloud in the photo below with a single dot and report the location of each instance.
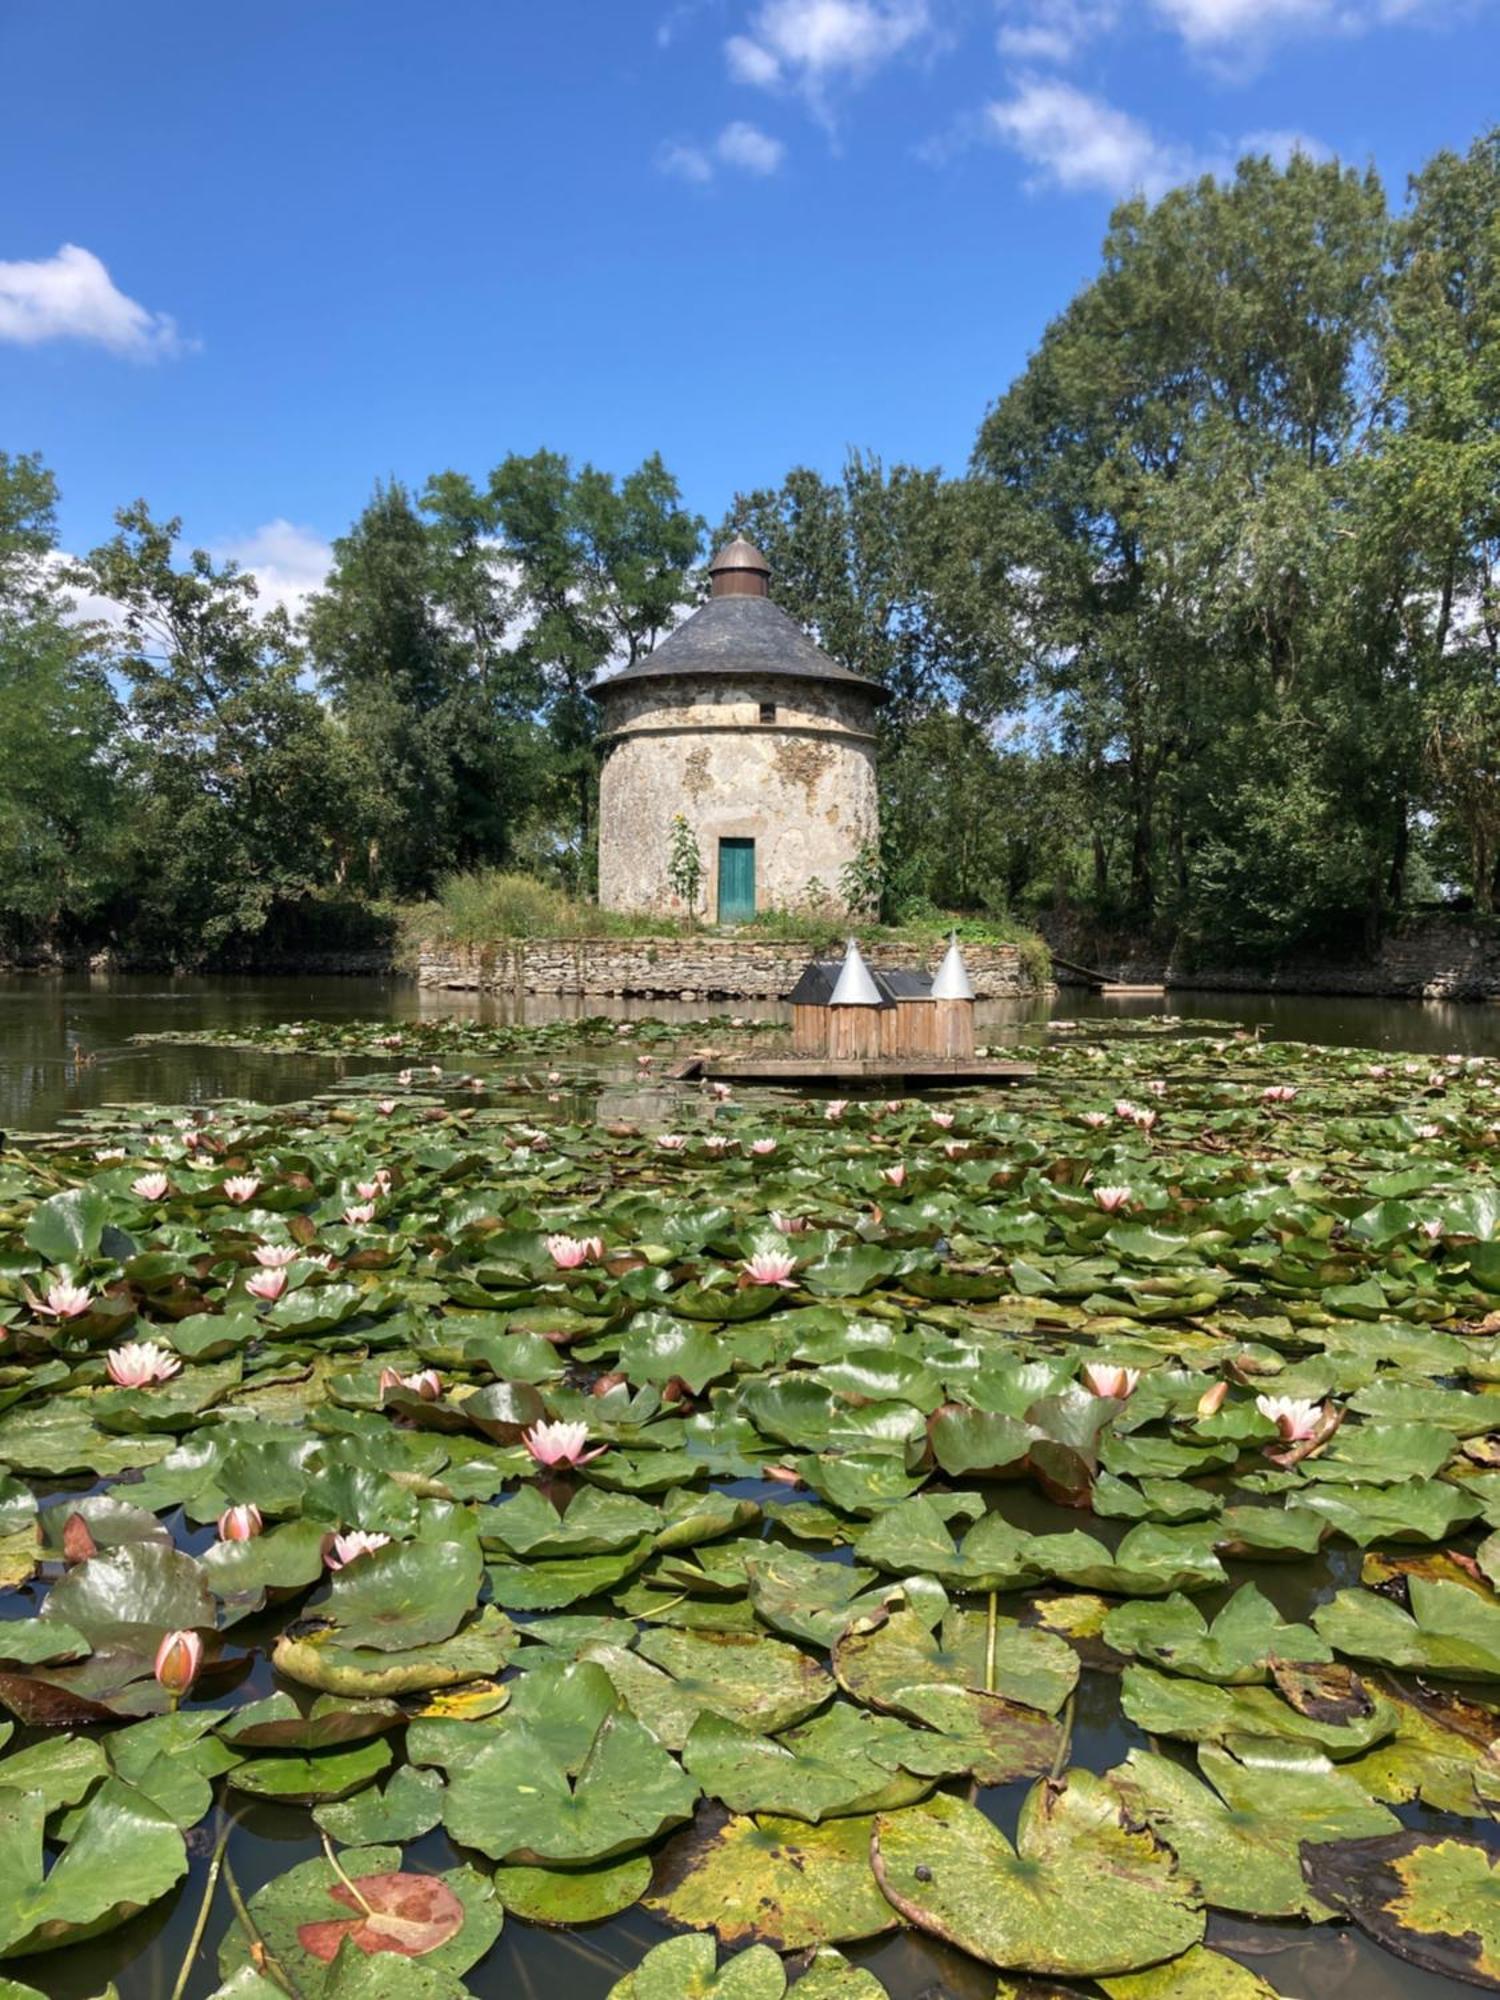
(740, 146)
(745, 146)
(685, 163)
(1053, 30)
(750, 63)
(72, 297)
(1234, 35)
(812, 44)
(288, 563)
(1083, 144)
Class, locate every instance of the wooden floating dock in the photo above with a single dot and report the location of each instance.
(914, 1070)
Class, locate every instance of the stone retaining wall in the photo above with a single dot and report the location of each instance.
(1427, 958)
(706, 968)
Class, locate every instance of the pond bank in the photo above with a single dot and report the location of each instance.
(1433, 957)
(701, 968)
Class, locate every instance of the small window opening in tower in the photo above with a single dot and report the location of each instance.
(768, 711)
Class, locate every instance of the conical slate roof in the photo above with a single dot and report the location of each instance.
(744, 635)
(951, 981)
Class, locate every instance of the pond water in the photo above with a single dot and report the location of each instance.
(65, 1046)
(65, 1040)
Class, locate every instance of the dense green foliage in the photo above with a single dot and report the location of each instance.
(1206, 639)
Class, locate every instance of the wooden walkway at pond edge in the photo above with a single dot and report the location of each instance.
(1102, 984)
(914, 1071)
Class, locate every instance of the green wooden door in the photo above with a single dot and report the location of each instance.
(736, 881)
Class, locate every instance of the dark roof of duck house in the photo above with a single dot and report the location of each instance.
(739, 631)
(815, 987)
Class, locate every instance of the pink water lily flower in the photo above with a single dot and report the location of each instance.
(368, 1190)
(1124, 1108)
(139, 1363)
(428, 1384)
(64, 1300)
(1157, 1087)
(895, 1175)
(560, 1444)
(1112, 1199)
(1429, 1131)
(763, 1146)
(1433, 1231)
(943, 1118)
(348, 1548)
(242, 1187)
(1296, 1417)
(325, 1260)
(569, 1252)
(1212, 1399)
(955, 1148)
(404, 1076)
(1144, 1120)
(723, 1091)
(385, 1106)
(179, 1659)
(107, 1153)
(644, 1061)
(788, 1225)
(670, 1142)
(717, 1143)
(240, 1524)
(151, 1187)
(835, 1108)
(1380, 1071)
(554, 1076)
(1094, 1119)
(276, 1256)
(1102, 1379)
(359, 1212)
(770, 1267)
(267, 1285)
(1278, 1093)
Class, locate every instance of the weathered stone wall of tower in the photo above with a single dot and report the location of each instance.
(802, 787)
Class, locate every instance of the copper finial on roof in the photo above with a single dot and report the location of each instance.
(739, 570)
(855, 987)
(952, 981)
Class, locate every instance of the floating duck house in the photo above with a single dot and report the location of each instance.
(845, 1012)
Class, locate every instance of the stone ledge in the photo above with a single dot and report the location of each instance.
(707, 968)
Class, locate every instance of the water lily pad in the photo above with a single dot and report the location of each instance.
(1165, 1706)
(1238, 1834)
(781, 1882)
(405, 1808)
(898, 1666)
(1432, 1901)
(317, 1659)
(529, 1799)
(294, 1779)
(333, 1721)
(307, 1913)
(1081, 1893)
(128, 1596)
(1449, 1631)
(561, 1896)
(687, 1968)
(673, 1677)
(125, 1853)
(844, 1762)
(404, 1596)
(1200, 1974)
(1235, 1648)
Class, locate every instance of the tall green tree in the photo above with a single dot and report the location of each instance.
(1178, 460)
(240, 788)
(408, 638)
(601, 572)
(59, 722)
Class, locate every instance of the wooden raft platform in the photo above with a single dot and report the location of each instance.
(914, 1070)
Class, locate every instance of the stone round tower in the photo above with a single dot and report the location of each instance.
(765, 746)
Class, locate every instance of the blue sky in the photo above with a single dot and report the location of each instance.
(313, 244)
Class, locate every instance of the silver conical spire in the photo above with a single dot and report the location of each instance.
(855, 987)
(952, 978)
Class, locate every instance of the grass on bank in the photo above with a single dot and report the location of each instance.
(490, 906)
